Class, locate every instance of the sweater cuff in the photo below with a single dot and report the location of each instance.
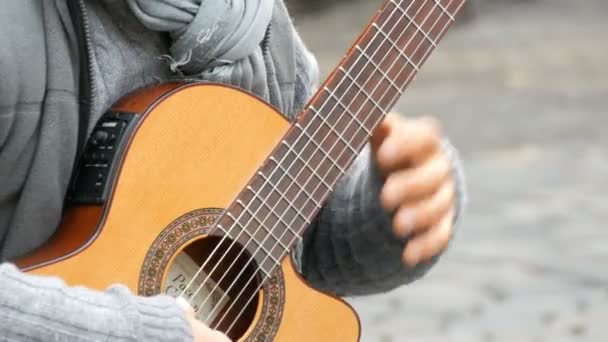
(34, 308)
(159, 318)
(351, 250)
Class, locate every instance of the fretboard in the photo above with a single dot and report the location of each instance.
(284, 197)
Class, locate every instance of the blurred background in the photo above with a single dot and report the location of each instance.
(522, 89)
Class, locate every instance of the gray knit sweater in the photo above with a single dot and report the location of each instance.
(349, 250)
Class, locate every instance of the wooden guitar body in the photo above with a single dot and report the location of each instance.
(194, 149)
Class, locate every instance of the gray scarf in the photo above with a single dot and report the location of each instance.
(225, 41)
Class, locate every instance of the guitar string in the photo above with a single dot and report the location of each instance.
(255, 293)
(451, 17)
(395, 61)
(410, 76)
(272, 211)
(227, 234)
(236, 221)
(236, 319)
(424, 22)
(302, 188)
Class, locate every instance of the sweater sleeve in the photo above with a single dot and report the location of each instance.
(36, 308)
(350, 249)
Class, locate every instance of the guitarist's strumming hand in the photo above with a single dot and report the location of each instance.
(419, 187)
(200, 331)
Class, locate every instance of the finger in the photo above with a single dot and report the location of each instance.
(383, 130)
(417, 217)
(185, 305)
(200, 331)
(408, 143)
(429, 244)
(203, 333)
(412, 184)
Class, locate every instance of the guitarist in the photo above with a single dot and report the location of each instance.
(63, 62)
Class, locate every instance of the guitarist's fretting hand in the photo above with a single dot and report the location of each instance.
(418, 186)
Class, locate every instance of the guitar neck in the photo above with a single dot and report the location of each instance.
(290, 188)
(380, 65)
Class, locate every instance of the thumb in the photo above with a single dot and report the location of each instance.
(383, 130)
(185, 305)
(200, 331)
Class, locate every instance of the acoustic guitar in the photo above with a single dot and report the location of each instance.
(202, 190)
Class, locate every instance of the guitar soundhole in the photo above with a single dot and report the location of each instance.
(225, 292)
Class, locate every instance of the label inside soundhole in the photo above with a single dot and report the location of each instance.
(210, 296)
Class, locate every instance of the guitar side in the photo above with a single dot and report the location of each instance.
(196, 147)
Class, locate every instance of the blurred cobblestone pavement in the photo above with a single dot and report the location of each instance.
(523, 93)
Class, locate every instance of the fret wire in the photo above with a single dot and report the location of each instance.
(274, 188)
(313, 173)
(305, 163)
(361, 90)
(252, 237)
(331, 127)
(396, 47)
(394, 26)
(378, 68)
(246, 208)
(260, 245)
(354, 117)
(293, 206)
(384, 76)
(267, 180)
(236, 224)
(316, 112)
(280, 218)
(311, 197)
(416, 24)
(224, 230)
(369, 59)
(300, 187)
(445, 11)
(268, 274)
(335, 164)
(420, 44)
